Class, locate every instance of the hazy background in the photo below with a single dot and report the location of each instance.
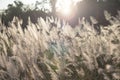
(69, 10)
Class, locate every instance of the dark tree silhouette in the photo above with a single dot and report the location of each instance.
(21, 12)
(13, 10)
(96, 8)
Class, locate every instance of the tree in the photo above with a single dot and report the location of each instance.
(13, 10)
(53, 3)
(96, 8)
(23, 13)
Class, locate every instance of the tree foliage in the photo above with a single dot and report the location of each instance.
(13, 10)
(96, 8)
(22, 12)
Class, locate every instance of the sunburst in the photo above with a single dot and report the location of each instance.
(65, 6)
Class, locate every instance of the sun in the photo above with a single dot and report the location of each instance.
(66, 11)
(64, 6)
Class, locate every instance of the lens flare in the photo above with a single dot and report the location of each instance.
(66, 11)
(65, 7)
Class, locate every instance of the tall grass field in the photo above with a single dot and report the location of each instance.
(44, 51)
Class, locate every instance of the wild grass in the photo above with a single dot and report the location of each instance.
(44, 51)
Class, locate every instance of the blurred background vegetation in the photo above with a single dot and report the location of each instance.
(85, 8)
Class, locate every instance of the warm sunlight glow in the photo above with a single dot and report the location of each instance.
(66, 11)
(65, 6)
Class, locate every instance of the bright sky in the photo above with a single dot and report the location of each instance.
(4, 3)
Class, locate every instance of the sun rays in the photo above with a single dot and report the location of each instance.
(65, 7)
